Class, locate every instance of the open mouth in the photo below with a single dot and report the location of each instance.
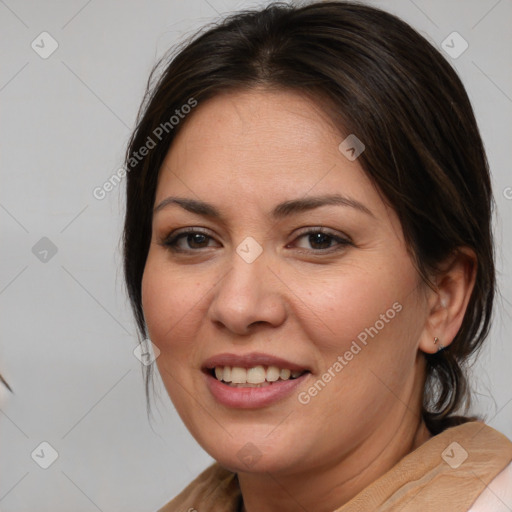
(254, 377)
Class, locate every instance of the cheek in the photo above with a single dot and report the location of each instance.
(166, 300)
(366, 335)
(341, 306)
(168, 306)
(154, 301)
(175, 304)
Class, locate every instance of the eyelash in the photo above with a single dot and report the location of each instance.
(171, 241)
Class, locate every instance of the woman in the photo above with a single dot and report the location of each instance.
(308, 244)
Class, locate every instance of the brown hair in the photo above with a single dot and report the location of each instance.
(375, 77)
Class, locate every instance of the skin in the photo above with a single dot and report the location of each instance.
(245, 152)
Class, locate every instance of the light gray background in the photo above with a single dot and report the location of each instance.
(67, 334)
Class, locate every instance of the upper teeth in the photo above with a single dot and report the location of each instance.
(255, 375)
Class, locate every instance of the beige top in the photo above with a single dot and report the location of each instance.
(447, 472)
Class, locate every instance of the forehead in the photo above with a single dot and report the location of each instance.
(254, 107)
(249, 121)
(255, 140)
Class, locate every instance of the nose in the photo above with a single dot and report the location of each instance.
(248, 295)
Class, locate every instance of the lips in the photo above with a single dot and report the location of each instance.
(252, 380)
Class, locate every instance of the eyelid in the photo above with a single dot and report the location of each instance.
(302, 231)
(187, 230)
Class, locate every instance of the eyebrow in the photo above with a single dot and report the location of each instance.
(285, 209)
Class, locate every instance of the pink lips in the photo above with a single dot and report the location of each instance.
(251, 398)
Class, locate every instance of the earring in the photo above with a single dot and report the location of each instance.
(436, 339)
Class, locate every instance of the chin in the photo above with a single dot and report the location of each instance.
(254, 461)
(253, 453)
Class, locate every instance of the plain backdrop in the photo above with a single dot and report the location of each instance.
(67, 336)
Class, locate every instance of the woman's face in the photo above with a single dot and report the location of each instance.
(257, 274)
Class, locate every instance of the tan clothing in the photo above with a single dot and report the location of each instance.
(448, 472)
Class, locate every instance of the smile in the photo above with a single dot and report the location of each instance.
(254, 380)
(257, 376)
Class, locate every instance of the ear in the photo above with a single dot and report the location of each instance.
(454, 283)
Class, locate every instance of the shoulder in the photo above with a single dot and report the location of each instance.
(497, 496)
(215, 489)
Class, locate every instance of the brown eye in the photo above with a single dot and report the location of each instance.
(196, 240)
(321, 241)
(187, 241)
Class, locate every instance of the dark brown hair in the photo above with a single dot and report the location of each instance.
(376, 77)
